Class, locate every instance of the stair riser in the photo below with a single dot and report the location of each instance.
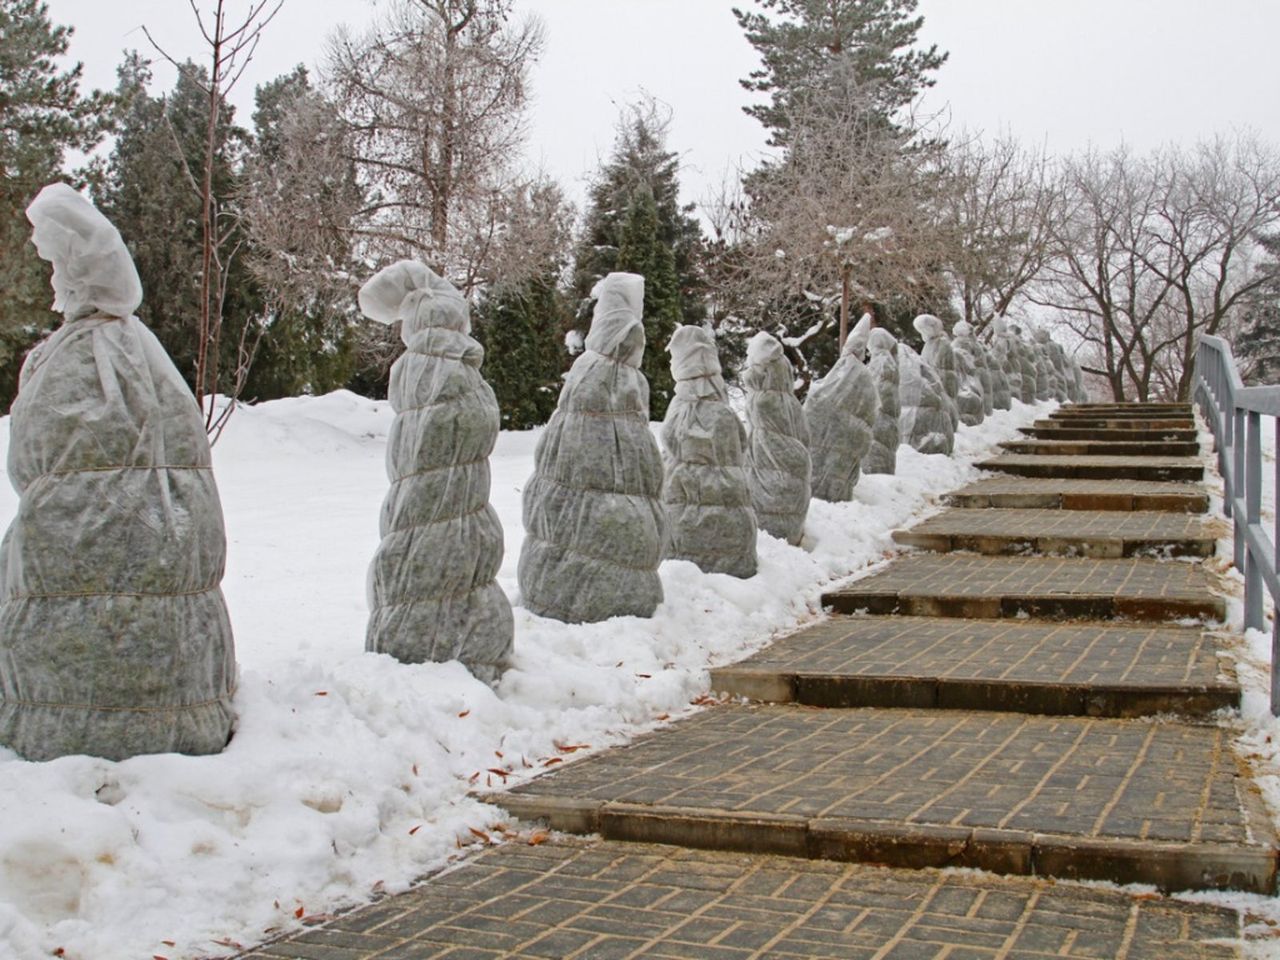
(1096, 549)
(846, 692)
(1167, 866)
(1077, 471)
(1090, 448)
(1157, 610)
(1117, 436)
(1163, 503)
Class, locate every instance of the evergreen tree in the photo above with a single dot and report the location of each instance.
(519, 328)
(297, 199)
(799, 40)
(149, 194)
(642, 164)
(42, 115)
(643, 251)
(1258, 342)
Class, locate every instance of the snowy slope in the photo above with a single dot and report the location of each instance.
(349, 772)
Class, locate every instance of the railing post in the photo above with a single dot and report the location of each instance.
(1275, 618)
(1253, 618)
(1238, 483)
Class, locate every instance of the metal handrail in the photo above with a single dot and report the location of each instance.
(1234, 413)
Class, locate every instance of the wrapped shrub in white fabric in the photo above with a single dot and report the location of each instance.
(433, 595)
(971, 401)
(998, 395)
(1065, 384)
(593, 514)
(1077, 374)
(1004, 350)
(778, 466)
(925, 421)
(1026, 355)
(114, 636)
(1054, 387)
(938, 353)
(885, 434)
(840, 409)
(710, 520)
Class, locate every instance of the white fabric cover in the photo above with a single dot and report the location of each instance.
(593, 513)
(92, 269)
(778, 466)
(1077, 374)
(925, 421)
(1005, 352)
(114, 636)
(433, 595)
(1046, 387)
(1062, 382)
(710, 520)
(885, 434)
(937, 352)
(970, 401)
(1026, 363)
(840, 410)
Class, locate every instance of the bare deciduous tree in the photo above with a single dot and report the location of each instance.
(433, 96)
(1000, 210)
(1154, 252)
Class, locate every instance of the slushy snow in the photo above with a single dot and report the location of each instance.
(349, 772)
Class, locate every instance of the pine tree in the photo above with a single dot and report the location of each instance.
(519, 328)
(799, 40)
(42, 115)
(643, 251)
(640, 163)
(1258, 341)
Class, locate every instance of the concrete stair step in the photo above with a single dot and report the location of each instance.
(1113, 423)
(1067, 494)
(1056, 432)
(964, 585)
(1128, 408)
(1058, 532)
(1103, 448)
(1097, 467)
(1126, 801)
(573, 897)
(1069, 669)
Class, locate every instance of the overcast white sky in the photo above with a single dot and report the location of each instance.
(1065, 73)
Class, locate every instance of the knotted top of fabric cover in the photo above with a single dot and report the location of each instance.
(961, 329)
(855, 343)
(410, 291)
(1042, 335)
(616, 328)
(928, 326)
(881, 341)
(762, 348)
(92, 269)
(695, 362)
(998, 326)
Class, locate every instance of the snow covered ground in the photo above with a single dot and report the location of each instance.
(349, 772)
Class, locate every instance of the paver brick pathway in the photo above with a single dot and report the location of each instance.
(590, 900)
(1112, 423)
(1163, 803)
(1085, 533)
(1059, 431)
(961, 585)
(1103, 448)
(1067, 494)
(1097, 468)
(1097, 669)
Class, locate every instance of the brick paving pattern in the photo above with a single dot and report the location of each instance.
(1097, 468)
(991, 587)
(1102, 654)
(1058, 431)
(1088, 533)
(1102, 448)
(1089, 778)
(1111, 423)
(1068, 494)
(598, 900)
